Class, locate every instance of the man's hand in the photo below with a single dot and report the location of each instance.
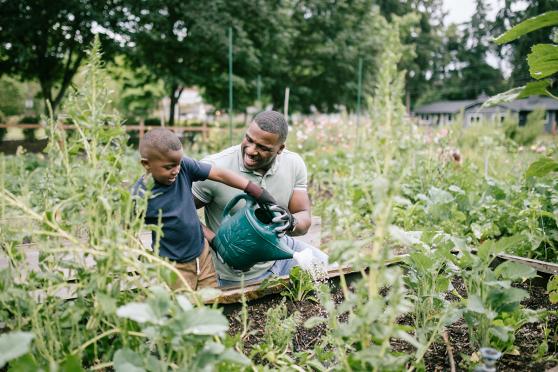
(261, 195)
(285, 218)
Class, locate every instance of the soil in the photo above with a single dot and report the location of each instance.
(528, 338)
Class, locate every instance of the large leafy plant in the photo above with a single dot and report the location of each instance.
(543, 59)
(492, 308)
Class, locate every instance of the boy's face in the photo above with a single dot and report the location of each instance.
(164, 167)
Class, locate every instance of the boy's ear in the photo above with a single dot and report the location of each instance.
(145, 164)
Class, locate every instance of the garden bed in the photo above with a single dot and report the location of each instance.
(528, 338)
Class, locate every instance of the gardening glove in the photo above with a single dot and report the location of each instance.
(262, 196)
(285, 218)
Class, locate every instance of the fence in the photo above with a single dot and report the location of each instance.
(129, 128)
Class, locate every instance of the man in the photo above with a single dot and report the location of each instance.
(263, 159)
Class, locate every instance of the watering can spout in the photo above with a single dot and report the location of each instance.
(248, 237)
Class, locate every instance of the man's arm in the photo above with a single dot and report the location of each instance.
(299, 206)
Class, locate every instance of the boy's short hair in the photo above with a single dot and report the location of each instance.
(273, 122)
(162, 140)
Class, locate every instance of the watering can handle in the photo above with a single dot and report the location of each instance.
(249, 200)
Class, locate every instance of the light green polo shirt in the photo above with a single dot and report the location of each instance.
(287, 173)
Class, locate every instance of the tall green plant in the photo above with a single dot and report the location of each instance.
(87, 227)
(363, 342)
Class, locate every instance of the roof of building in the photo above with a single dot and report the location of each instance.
(453, 107)
(531, 103)
(444, 107)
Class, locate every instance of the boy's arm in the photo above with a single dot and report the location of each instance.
(228, 178)
(234, 180)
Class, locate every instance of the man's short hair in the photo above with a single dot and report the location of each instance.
(162, 140)
(273, 122)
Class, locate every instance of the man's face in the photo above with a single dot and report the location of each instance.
(259, 148)
(164, 167)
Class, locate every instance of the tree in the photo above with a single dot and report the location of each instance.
(477, 76)
(11, 97)
(185, 43)
(46, 40)
(138, 91)
(463, 71)
(322, 58)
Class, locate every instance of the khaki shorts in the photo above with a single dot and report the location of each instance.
(198, 273)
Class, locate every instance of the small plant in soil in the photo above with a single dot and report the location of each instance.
(277, 339)
(299, 287)
(492, 309)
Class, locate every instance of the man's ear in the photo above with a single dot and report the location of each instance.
(145, 164)
(281, 148)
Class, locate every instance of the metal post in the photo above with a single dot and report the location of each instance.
(230, 84)
(259, 91)
(141, 128)
(359, 92)
(286, 105)
(2, 185)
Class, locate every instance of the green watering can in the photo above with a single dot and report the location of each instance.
(247, 237)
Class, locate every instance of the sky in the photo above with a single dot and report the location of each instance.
(460, 11)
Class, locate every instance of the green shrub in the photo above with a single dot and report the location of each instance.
(3, 131)
(526, 135)
(12, 96)
(152, 121)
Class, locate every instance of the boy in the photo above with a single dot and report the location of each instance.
(182, 240)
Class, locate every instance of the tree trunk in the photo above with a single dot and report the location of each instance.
(174, 97)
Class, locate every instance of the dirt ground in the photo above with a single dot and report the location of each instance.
(10, 147)
(528, 338)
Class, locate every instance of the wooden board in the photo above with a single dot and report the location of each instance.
(32, 254)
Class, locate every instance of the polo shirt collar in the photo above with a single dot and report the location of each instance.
(270, 171)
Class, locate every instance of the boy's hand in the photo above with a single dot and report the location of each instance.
(260, 194)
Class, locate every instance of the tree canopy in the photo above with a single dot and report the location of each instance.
(46, 40)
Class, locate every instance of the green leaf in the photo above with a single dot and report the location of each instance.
(71, 363)
(514, 271)
(13, 345)
(184, 303)
(544, 20)
(107, 303)
(125, 360)
(502, 333)
(202, 322)
(541, 167)
(474, 304)
(138, 312)
(233, 356)
(24, 363)
(533, 88)
(543, 60)
(209, 293)
(405, 238)
(314, 321)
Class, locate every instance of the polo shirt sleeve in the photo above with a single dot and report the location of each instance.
(202, 190)
(198, 171)
(301, 174)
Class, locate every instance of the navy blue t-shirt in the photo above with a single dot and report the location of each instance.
(182, 238)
